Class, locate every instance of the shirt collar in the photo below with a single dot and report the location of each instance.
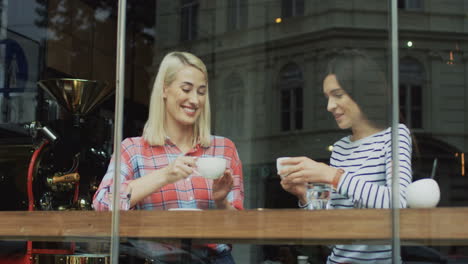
(192, 150)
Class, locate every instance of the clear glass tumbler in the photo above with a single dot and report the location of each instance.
(318, 195)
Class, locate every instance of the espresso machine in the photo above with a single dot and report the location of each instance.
(72, 151)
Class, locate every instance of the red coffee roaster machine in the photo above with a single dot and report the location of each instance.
(70, 154)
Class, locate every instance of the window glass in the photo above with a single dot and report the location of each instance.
(188, 20)
(237, 14)
(56, 124)
(292, 8)
(291, 97)
(301, 113)
(234, 107)
(410, 4)
(431, 104)
(411, 103)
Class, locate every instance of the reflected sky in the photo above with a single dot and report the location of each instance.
(21, 18)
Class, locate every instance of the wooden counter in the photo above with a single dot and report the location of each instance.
(437, 226)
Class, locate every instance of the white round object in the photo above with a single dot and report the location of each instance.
(302, 260)
(211, 167)
(424, 193)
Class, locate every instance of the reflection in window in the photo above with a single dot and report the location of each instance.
(411, 84)
(291, 96)
(237, 14)
(233, 107)
(189, 20)
(410, 4)
(290, 8)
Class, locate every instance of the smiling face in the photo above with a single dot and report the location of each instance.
(346, 112)
(185, 97)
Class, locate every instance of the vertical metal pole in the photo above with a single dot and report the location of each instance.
(395, 121)
(119, 96)
(3, 35)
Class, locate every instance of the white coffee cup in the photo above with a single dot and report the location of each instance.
(302, 260)
(424, 193)
(281, 167)
(211, 167)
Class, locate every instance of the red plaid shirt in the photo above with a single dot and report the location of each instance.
(139, 158)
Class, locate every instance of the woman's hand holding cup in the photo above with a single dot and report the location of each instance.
(304, 170)
(298, 190)
(299, 175)
(180, 169)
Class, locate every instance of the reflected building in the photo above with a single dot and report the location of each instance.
(266, 60)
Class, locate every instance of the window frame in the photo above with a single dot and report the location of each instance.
(293, 89)
(407, 5)
(189, 19)
(236, 14)
(408, 83)
(233, 88)
(297, 8)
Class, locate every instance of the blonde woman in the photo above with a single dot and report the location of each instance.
(158, 167)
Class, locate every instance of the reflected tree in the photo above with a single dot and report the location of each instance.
(64, 15)
(81, 43)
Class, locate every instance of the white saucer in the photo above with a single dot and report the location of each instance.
(185, 209)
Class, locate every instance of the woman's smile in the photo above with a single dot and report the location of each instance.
(189, 110)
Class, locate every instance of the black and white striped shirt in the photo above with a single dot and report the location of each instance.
(367, 183)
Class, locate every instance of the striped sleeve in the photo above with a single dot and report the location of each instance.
(372, 195)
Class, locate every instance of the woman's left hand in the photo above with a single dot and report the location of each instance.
(304, 170)
(222, 186)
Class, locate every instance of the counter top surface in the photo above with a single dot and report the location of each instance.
(421, 226)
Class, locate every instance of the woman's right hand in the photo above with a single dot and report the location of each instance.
(180, 169)
(297, 189)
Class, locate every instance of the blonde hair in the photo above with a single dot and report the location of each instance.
(154, 132)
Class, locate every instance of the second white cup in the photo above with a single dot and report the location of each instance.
(280, 167)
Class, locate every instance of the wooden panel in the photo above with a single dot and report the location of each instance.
(40, 224)
(266, 224)
(428, 226)
(434, 226)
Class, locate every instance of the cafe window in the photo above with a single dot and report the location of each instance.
(237, 14)
(291, 97)
(189, 20)
(266, 62)
(234, 107)
(290, 8)
(411, 93)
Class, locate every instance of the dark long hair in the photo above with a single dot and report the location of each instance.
(361, 77)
